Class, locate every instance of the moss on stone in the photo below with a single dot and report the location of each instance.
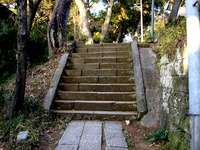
(179, 140)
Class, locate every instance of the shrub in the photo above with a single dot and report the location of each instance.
(158, 135)
(37, 45)
(8, 40)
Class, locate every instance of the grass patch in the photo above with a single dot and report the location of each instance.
(32, 118)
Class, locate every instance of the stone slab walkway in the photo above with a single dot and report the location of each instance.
(89, 135)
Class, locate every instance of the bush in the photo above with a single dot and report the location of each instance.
(8, 40)
(158, 135)
(37, 45)
(37, 48)
(97, 37)
(5, 96)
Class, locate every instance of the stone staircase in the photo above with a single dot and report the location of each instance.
(98, 81)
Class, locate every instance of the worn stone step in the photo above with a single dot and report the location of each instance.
(93, 60)
(100, 115)
(96, 105)
(98, 79)
(88, 95)
(101, 49)
(107, 72)
(80, 79)
(116, 65)
(88, 45)
(97, 87)
(100, 60)
(99, 72)
(124, 72)
(115, 45)
(103, 54)
(116, 79)
(108, 49)
(124, 59)
(99, 66)
(83, 66)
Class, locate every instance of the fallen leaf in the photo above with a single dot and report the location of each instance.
(127, 122)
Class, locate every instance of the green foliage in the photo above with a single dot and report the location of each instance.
(37, 45)
(97, 37)
(169, 38)
(69, 32)
(158, 135)
(125, 18)
(4, 96)
(37, 49)
(8, 38)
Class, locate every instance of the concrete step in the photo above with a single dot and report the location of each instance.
(114, 45)
(116, 65)
(98, 79)
(99, 66)
(101, 115)
(95, 105)
(97, 87)
(120, 54)
(107, 72)
(117, 45)
(100, 60)
(88, 45)
(100, 72)
(83, 66)
(88, 95)
(101, 49)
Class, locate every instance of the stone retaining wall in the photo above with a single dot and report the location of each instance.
(174, 98)
(166, 92)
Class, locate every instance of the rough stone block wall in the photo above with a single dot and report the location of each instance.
(174, 98)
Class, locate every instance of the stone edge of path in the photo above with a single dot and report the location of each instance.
(57, 76)
(54, 82)
(139, 81)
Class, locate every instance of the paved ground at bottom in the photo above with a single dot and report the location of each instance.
(89, 135)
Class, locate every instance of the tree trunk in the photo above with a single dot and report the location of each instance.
(138, 30)
(57, 26)
(84, 21)
(18, 94)
(107, 21)
(175, 9)
(75, 21)
(33, 7)
(119, 34)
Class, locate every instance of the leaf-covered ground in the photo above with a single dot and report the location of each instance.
(38, 79)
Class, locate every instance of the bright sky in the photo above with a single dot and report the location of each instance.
(97, 7)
